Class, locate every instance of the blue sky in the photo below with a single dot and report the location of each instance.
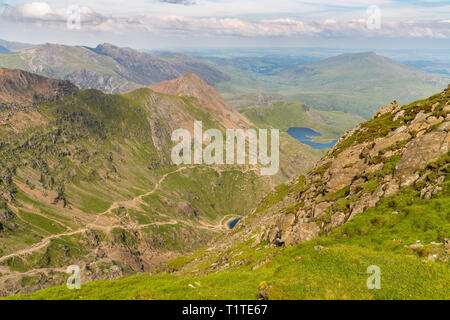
(171, 24)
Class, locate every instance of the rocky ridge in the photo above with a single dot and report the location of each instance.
(373, 161)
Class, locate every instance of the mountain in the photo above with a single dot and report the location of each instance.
(356, 83)
(191, 85)
(295, 155)
(13, 46)
(147, 69)
(22, 89)
(86, 178)
(360, 82)
(106, 67)
(377, 201)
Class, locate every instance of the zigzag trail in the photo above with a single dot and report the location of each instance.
(115, 205)
(46, 241)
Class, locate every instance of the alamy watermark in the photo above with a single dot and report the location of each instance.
(74, 281)
(374, 280)
(191, 150)
(74, 17)
(373, 21)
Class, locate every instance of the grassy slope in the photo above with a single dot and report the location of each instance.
(301, 272)
(284, 115)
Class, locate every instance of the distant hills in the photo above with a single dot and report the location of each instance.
(357, 83)
(8, 46)
(108, 68)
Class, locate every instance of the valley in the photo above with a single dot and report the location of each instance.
(379, 197)
(87, 176)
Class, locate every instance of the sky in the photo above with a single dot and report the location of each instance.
(194, 24)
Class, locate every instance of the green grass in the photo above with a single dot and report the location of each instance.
(356, 85)
(284, 115)
(375, 237)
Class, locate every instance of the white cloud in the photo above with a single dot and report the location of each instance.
(42, 12)
(183, 25)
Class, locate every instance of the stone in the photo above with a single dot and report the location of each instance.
(286, 221)
(399, 114)
(263, 290)
(419, 153)
(337, 219)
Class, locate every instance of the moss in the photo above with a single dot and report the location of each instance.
(322, 169)
(338, 194)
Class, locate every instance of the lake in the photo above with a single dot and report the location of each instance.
(304, 135)
(233, 222)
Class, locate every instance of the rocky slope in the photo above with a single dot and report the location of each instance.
(22, 89)
(145, 69)
(191, 85)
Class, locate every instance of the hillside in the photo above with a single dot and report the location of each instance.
(356, 83)
(284, 115)
(107, 68)
(22, 89)
(147, 69)
(379, 197)
(86, 178)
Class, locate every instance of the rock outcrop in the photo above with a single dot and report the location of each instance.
(373, 161)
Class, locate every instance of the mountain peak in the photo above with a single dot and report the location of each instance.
(19, 88)
(191, 85)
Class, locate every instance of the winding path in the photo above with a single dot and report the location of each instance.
(117, 204)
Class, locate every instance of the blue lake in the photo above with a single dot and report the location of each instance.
(233, 222)
(304, 135)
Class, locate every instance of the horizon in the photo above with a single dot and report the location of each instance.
(218, 24)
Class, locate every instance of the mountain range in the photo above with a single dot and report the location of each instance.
(106, 67)
(86, 177)
(356, 83)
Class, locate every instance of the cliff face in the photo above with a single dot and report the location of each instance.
(20, 89)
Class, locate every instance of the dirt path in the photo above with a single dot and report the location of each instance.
(117, 204)
(133, 203)
(43, 243)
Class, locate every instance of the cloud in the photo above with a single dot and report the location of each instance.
(42, 12)
(184, 26)
(183, 2)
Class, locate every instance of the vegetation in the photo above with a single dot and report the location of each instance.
(376, 237)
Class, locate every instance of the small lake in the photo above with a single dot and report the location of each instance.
(233, 222)
(304, 135)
